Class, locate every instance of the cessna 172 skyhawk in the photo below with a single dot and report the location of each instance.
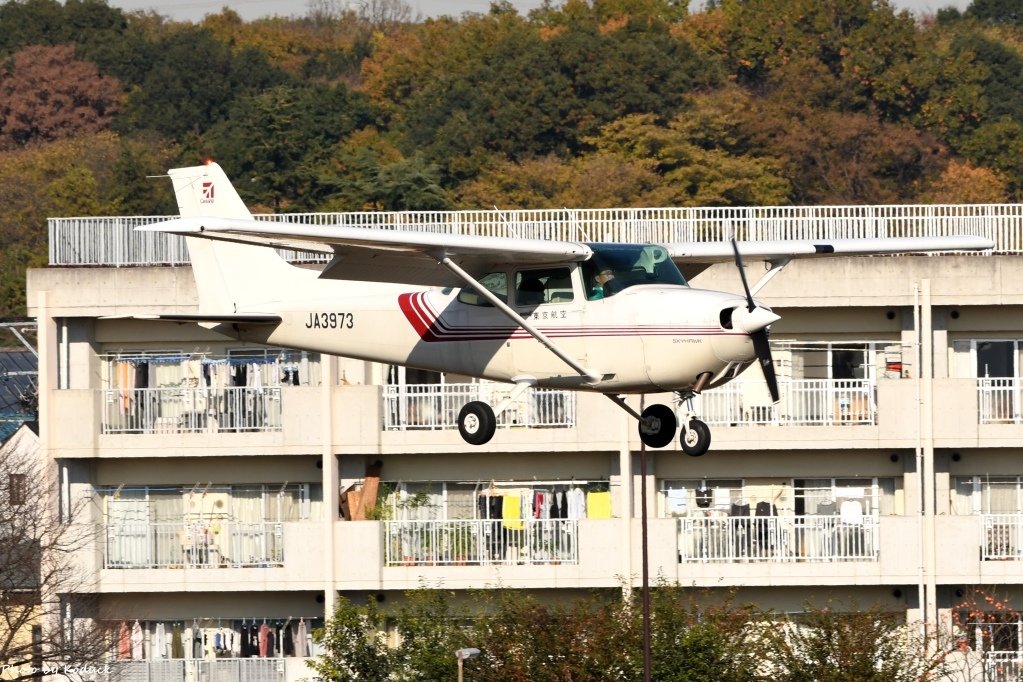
(611, 318)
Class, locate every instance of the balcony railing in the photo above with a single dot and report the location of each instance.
(777, 538)
(436, 406)
(1002, 537)
(999, 400)
(220, 544)
(1003, 666)
(193, 670)
(479, 542)
(113, 241)
(191, 410)
(806, 402)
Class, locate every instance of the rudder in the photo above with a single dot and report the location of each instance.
(230, 277)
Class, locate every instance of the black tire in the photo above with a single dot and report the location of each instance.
(657, 426)
(476, 423)
(695, 440)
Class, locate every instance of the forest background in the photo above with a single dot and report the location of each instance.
(583, 104)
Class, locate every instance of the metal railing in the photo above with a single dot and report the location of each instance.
(113, 241)
(216, 544)
(477, 542)
(191, 410)
(1001, 536)
(808, 402)
(193, 670)
(777, 538)
(436, 406)
(998, 399)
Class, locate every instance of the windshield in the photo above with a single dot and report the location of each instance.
(614, 267)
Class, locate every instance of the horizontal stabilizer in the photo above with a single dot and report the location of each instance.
(225, 318)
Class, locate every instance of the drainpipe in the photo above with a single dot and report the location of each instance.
(918, 358)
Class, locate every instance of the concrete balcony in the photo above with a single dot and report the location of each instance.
(588, 558)
(270, 557)
(881, 551)
(368, 420)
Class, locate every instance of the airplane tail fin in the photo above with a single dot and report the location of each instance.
(231, 277)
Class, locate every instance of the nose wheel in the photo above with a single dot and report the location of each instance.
(695, 440)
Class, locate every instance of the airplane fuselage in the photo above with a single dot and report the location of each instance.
(646, 338)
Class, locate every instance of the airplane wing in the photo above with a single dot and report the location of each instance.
(695, 257)
(378, 255)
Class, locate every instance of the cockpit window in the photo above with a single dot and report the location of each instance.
(495, 282)
(614, 267)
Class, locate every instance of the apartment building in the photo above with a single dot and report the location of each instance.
(232, 484)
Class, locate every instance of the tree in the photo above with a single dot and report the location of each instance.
(47, 94)
(996, 11)
(70, 177)
(187, 80)
(836, 643)
(353, 643)
(37, 574)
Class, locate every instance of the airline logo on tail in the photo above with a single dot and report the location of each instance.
(207, 193)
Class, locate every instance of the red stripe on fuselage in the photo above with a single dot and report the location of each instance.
(431, 327)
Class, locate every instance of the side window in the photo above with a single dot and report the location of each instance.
(550, 285)
(495, 282)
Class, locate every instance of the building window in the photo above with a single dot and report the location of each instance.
(17, 491)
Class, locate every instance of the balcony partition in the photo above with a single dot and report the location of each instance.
(777, 538)
(220, 544)
(480, 542)
(436, 406)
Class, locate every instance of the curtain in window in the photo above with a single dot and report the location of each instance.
(1001, 497)
(127, 530)
(962, 496)
(249, 539)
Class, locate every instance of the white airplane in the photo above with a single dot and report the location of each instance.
(615, 319)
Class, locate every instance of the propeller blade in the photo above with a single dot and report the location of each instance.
(742, 275)
(762, 347)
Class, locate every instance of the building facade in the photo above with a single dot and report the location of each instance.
(237, 490)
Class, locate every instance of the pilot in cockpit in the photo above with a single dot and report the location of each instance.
(601, 287)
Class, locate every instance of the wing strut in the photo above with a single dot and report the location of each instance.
(591, 376)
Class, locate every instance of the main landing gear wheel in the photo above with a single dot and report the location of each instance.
(476, 422)
(695, 440)
(657, 426)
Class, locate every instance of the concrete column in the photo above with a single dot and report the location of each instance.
(927, 361)
(330, 483)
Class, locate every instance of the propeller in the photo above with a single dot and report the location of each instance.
(755, 323)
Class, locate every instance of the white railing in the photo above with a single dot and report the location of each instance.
(1003, 666)
(777, 538)
(191, 410)
(113, 241)
(808, 402)
(193, 670)
(477, 542)
(998, 399)
(436, 406)
(1001, 536)
(215, 544)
